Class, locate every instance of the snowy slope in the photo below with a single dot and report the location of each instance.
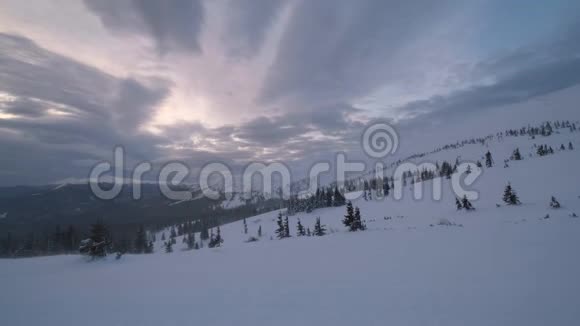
(496, 266)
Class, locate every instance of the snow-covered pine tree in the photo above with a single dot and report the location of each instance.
(570, 147)
(554, 203)
(319, 229)
(140, 240)
(216, 240)
(329, 201)
(149, 248)
(509, 196)
(339, 199)
(458, 204)
(349, 217)
(204, 232)
(386, 187)
(300, 231)
(488, 159)
(280, 231)
(286, 228)
(191, 240)
(466, 203)
(516, 155)
(168, 247)
(357, 223)
(259, 231)
(99, 237)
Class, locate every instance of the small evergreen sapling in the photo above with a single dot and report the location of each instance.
(458, 204)
(510, 197)
(516, 155)
(466, 203)
(554, 203)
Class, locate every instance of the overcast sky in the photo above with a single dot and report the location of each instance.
(243, 80)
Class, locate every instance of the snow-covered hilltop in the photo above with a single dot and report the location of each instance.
(419, 262)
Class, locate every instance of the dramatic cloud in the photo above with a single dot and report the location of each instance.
(173, 25)
(57, 104)
(519, 76)
(241, 80)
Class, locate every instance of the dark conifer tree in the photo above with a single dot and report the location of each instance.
(260, 231)
(319, 229)
(570, 147)
(458, 204)
(357, 223)
(516, 155)
(329, 201)
(286, 228)
(466, 203)
(191, 240)
(99, 232)
(338, 198)
(349, 217)
(308, 232)
(204, 233)
(280, 231)
(488, 159)
(509, 196)
(386, 187)
(300, 229)
(168, 247)
(554, 203)
(141, 240)
(99, 238)
(149, 248)
(216, 240)
(245, 226)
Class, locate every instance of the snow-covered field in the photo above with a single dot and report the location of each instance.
(496, 266)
